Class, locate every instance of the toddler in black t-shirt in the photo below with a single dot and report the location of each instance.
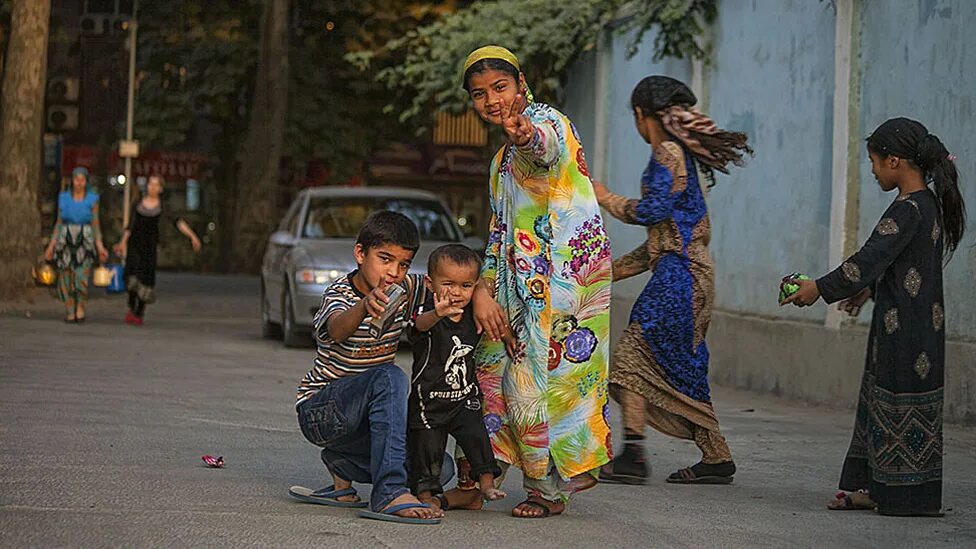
(445, 398)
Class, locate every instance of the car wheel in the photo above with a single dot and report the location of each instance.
(290, 335)
(269, 328)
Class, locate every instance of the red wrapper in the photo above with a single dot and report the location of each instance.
(215, 462)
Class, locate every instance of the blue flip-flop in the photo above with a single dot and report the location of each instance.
(326, 496)
(389, 516)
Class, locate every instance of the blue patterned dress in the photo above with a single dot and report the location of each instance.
(662, 355)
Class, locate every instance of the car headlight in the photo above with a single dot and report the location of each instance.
(320, 277)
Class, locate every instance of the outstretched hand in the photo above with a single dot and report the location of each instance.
(807, 295)
(517, 126)
(443, 307)
(376, 301)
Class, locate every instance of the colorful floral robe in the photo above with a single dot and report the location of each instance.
(549, 259)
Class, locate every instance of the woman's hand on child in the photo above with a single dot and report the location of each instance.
(807, 295)
(489, 318)
(375, 301)
(852, 305)
(443, 307)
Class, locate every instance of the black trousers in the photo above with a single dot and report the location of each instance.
(426, 450)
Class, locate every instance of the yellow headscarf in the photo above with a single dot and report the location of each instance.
(496, 52)
(491, 52)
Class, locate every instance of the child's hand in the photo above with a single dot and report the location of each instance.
(852, 305)
(807, 295)
(376, 301)
(443, 307)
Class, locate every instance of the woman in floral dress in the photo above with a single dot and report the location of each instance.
(543, 365)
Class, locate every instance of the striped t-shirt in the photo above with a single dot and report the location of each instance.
(360, 351)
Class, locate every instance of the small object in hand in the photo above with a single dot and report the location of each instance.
(789, 285)
(397, 295)
(215, 462)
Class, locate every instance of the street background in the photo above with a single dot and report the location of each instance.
(102, 427)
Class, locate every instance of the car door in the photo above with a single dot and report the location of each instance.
(273, 269)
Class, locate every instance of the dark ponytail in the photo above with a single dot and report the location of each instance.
(910, 140)
(938, 166)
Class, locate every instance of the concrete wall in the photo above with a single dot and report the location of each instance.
(919, 61)
(773, 76)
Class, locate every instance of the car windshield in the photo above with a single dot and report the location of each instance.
(342, 217)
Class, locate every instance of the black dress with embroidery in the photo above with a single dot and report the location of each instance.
(896, 450)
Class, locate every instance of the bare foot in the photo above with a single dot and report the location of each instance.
(491, 493)
(470, 500)
(430, 499)
(414, 512)
(580, 482)
(538, 507)
(854, 501)
(342, 484)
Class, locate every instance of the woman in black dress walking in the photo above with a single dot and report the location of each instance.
(138, 246)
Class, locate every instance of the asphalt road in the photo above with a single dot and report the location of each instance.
(102, 427)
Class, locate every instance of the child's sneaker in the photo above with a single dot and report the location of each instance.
(130, 317)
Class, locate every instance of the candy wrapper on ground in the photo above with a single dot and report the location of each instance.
(788, 286)
(215, 462)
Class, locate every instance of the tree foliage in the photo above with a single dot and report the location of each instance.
(423, 67)
(196, 64)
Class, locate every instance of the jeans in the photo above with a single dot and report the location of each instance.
(360, 422)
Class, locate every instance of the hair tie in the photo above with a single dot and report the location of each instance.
(951, 157)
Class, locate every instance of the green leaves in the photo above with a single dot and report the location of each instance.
(423, 67)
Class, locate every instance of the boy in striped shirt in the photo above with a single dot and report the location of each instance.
(353, 403)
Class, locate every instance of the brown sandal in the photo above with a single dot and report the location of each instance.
(546, 510)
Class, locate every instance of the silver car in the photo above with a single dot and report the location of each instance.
(313, 246)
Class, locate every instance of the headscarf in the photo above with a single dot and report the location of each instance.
(500, 53)
(909, 139)
(673, 102)
(80, 170)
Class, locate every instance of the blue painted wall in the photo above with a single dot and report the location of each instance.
(919, 61)
(772, 76)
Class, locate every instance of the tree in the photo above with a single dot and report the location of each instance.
(21, 123)
(423, 67)
(260, 153)
(198, 69)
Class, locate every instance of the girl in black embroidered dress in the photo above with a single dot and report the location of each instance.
(894, 462)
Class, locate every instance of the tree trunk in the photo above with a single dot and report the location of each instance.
(21, 127)
(260, 153)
